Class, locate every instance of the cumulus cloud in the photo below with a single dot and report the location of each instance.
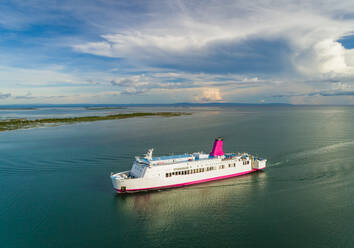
(209, 95)
(327, 57)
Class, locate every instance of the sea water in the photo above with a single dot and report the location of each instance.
(55, 189)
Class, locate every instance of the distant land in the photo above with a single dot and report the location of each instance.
(13, 124)
(103, 108)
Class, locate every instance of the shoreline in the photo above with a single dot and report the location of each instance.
(14, 124)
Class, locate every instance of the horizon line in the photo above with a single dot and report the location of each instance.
(170, 104)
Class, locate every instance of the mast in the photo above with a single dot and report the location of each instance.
(148, 155)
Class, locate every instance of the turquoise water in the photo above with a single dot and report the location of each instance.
(55, 189)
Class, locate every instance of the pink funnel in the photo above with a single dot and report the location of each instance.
(217, 148)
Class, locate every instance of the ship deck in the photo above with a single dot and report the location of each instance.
(177, 159)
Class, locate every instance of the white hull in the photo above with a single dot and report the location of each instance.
(192, 172)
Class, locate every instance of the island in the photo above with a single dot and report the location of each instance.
(13, 124)
(104, 108)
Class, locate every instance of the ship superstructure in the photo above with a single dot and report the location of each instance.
(152, 173)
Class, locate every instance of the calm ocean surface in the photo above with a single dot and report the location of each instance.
(55, 189)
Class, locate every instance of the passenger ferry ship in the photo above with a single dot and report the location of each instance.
(153, 173)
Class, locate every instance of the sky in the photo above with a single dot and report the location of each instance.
(161, 51)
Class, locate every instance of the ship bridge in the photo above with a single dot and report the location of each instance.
(168, 159)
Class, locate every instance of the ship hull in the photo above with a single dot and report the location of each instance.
(142, 188)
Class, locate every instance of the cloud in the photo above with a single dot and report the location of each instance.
(169, 83)
(209, 95)
(44, 76)
(326, 57)
(124, 82)
(323, 93)
(5, 95)
(246, 37)
(195, 54)
(225, 50)
(133, 91)
(131, 87)
(338, 93)
(28, 95)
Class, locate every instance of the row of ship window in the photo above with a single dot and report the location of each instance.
(187, 172)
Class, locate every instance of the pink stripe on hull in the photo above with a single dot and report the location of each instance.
(190, 183)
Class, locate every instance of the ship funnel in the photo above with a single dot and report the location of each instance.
(217, 148)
